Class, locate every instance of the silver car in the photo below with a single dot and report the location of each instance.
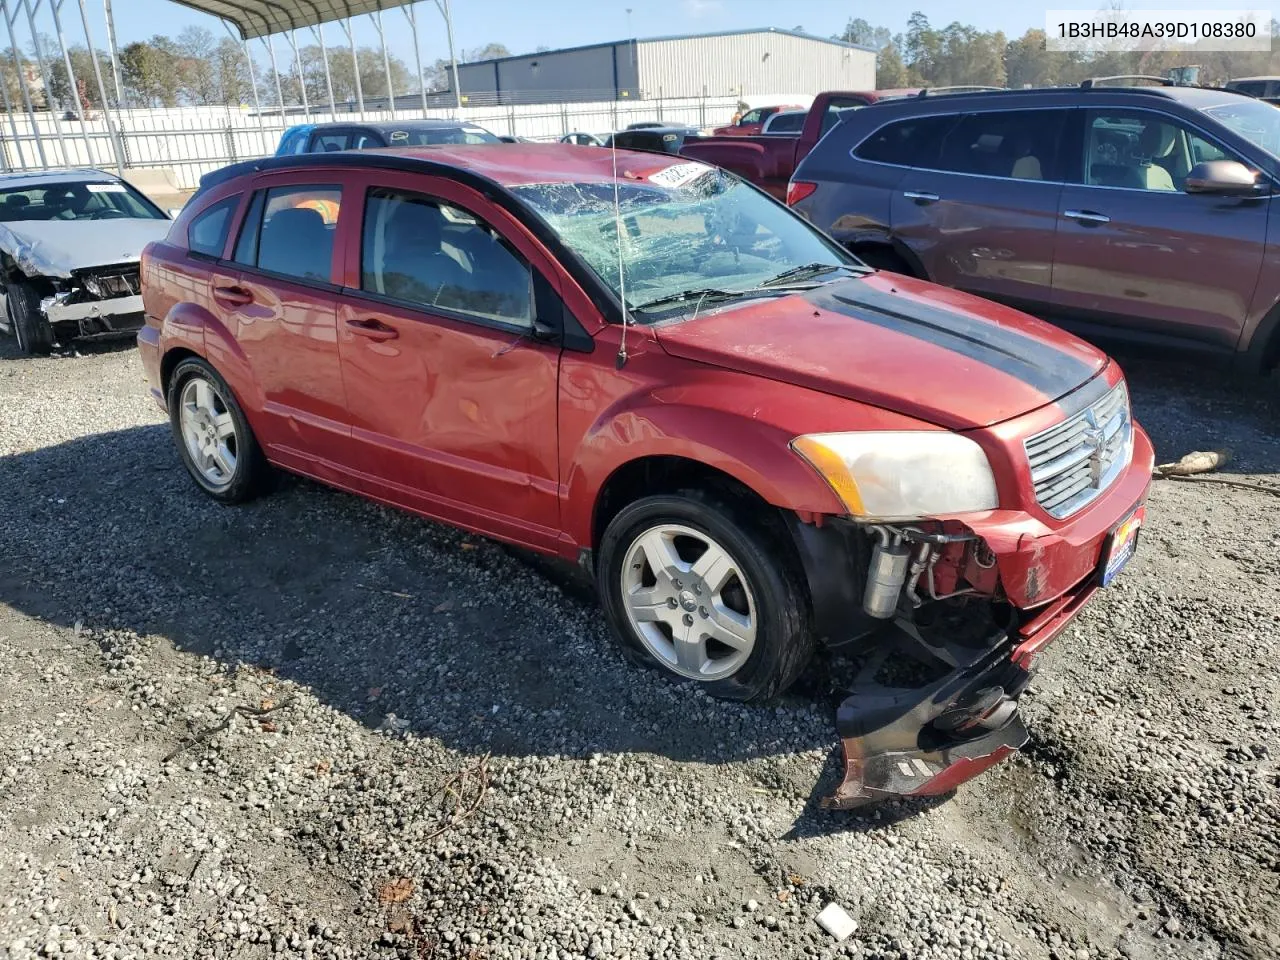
(70, 241)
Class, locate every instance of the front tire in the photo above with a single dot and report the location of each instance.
(32, 331)
(217, 446)
(694, 586)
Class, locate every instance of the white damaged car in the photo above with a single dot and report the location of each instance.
(70, 241)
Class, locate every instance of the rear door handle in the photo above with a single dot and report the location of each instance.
(236, 296)
(920, 196)
(1086, 216)
(375, 330)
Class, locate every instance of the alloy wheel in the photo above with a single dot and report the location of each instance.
(689, 602)
(209, 432)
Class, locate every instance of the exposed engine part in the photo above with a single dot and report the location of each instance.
(933, 589)
(924, 739)
(887, 574)
(924, 555)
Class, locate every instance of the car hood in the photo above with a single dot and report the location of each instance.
(918, 349)
(54, 248)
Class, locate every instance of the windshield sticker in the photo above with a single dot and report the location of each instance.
(105, 188)
(669, 137)
(679, 175)
(398, 135)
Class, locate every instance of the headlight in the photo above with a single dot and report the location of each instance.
(902, 475)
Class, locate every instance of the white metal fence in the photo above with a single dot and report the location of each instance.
(194, 140)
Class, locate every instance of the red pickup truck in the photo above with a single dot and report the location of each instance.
(769, 161)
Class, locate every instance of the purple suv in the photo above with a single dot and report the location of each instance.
(1137, 213)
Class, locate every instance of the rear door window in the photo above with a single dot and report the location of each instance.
(207, 232)
(786, 122)
(1019, 144)
(914, 142)
(295, 235)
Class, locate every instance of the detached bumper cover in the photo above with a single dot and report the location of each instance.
(928, 739)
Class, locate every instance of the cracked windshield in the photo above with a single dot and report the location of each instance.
(689, 235)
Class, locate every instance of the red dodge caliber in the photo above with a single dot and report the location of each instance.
(753, 442)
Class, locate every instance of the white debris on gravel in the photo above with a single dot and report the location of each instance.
(836, 921)
(322, 667)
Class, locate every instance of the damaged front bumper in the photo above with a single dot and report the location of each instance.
(103, 301)
(116, 314)
(955, 715)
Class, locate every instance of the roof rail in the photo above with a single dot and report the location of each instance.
(962, 88)
(1102, 81)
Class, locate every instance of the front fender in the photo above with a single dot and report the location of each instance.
(754, 453)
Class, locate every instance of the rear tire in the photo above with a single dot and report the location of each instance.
(214, 439)
(33, 332)
(697, 588)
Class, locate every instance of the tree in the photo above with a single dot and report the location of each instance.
(195, 48)
(891, 72)
(865, 35)
(151, 72)
(85, 96)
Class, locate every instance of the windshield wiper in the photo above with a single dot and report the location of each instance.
(709, 295)
(803, 272)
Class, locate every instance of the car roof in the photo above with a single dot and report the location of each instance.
(1243, 79)
(35, 178)
(1195, 98)
(665, 128)
(385, 126)
(506, 164)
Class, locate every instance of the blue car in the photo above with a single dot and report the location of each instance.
(294, 139)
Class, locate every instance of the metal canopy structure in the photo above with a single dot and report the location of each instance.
(261, 18)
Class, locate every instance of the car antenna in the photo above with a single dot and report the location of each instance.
(621, 359)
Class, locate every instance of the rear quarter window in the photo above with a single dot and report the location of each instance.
(207, 232)
(906, 143)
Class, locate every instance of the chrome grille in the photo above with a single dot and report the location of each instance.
(1073, 462)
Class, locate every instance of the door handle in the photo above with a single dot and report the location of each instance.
(236, 296)
(375, 330)
(1086, 216)
(920, 196)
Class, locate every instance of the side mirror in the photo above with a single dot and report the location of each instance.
(544, 332)
(1227, 178)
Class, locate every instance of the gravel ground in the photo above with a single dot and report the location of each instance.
(257, 731)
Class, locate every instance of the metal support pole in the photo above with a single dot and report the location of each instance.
(328, 77)
(56, 7)
(275, 70)
(302, 80)
(22, 81)
(114, 53)
(386, 62)
(44, 78)
(248, 59)
(116, 142)
(417, 53)
(22, 87)
(453, 60)
(13, 127)
(355, 63)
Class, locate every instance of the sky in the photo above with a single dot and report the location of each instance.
(523, 25)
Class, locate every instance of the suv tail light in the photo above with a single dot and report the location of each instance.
(797, 190)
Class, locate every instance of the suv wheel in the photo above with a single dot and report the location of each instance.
(691, 586)
(33, 332)
(218, 448)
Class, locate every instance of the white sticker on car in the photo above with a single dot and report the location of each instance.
(106, 188)
(679, 175)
